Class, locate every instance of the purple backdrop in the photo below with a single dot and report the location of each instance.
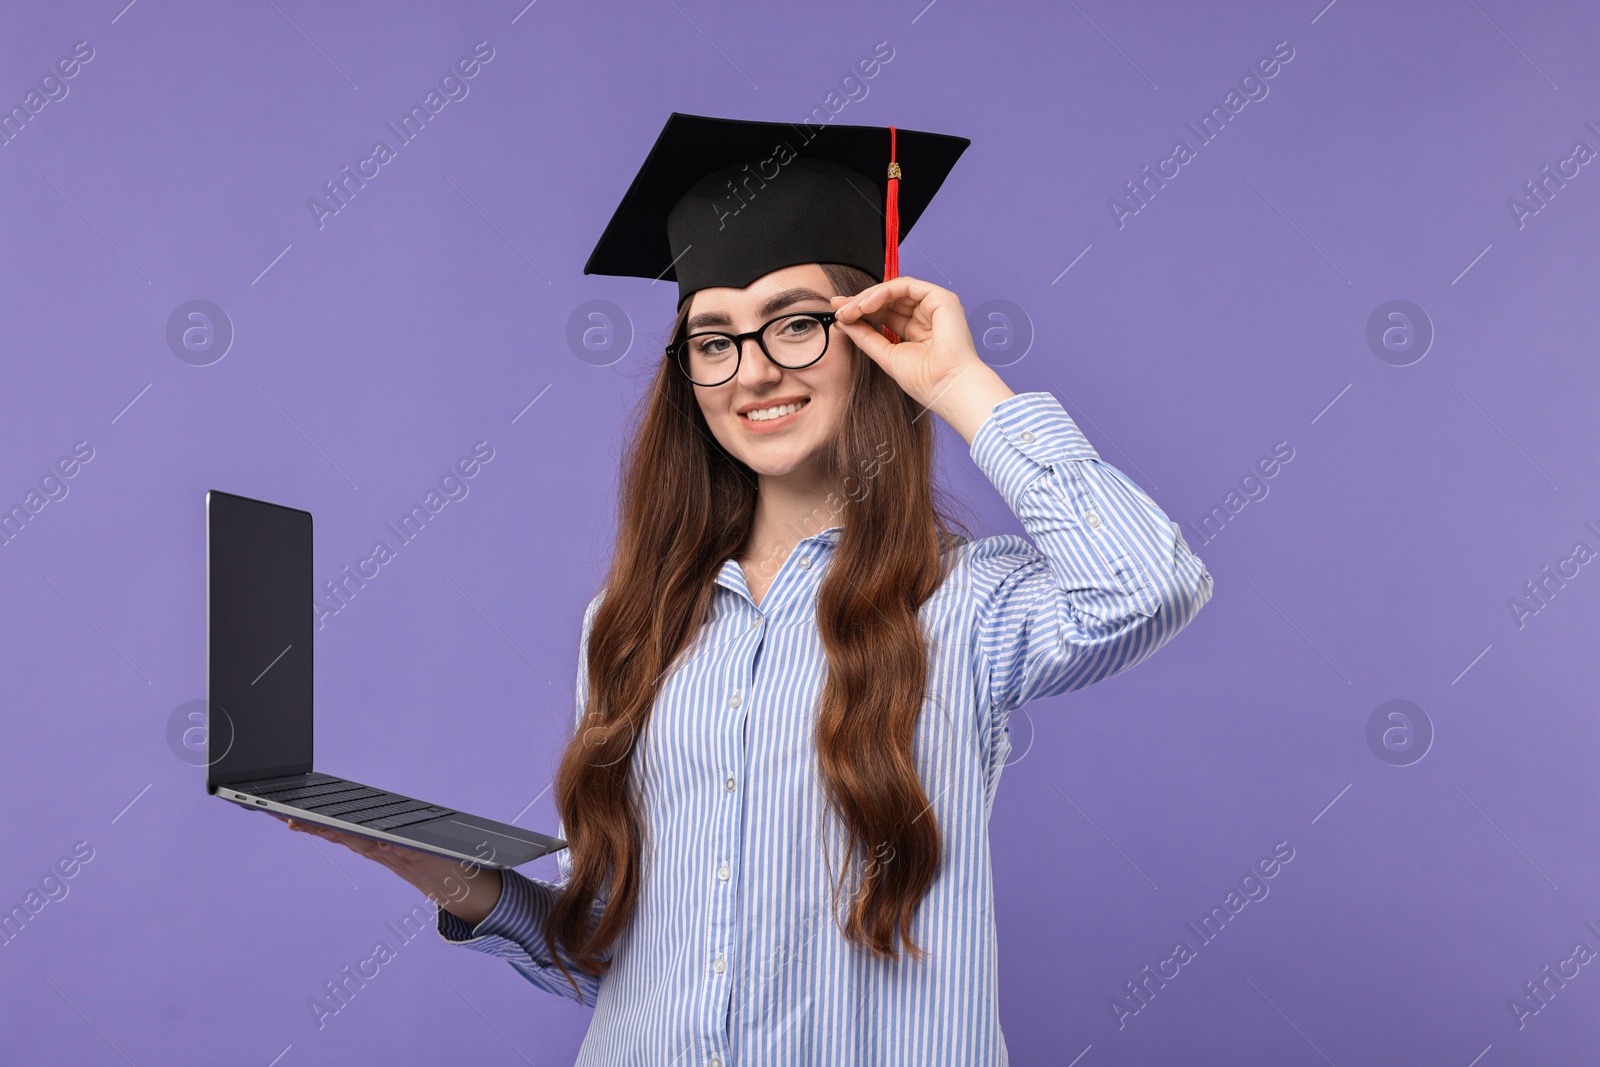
(1371, 273)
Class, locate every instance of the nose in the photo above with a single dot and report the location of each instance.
(754, 366)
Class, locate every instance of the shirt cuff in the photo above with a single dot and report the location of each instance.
(1024, 436)
(517, 917)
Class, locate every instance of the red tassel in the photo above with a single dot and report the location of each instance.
(891, 228)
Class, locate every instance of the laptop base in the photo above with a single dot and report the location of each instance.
(430, 828)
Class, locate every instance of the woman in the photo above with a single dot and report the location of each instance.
(793, 689)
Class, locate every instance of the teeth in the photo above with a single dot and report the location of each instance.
(763, 414)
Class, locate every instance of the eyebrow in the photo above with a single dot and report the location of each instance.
(776, 303)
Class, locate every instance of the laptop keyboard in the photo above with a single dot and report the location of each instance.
(346, 801)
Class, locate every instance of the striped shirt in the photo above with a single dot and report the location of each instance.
(732, 958)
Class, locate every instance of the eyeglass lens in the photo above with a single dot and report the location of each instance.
(792, 341)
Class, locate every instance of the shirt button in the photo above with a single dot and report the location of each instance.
(755, 622)
(723, 872)
(805, 564)
(729, 784)
(734, 700)
(1092, 519)
(719, 965)
(715, 1062)
(1026, 436)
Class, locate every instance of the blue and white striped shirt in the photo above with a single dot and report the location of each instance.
(732, 958)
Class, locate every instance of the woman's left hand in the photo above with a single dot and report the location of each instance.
(935, 346)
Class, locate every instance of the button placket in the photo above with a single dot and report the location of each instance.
(721, 929)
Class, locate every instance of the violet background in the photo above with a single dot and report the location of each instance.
(1229, 314)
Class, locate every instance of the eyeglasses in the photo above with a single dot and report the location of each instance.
(791, 341)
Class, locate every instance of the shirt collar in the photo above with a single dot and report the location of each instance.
(732, 576)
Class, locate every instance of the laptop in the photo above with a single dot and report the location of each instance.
(259, 627)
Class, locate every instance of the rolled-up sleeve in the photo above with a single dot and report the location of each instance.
(514, 929)
(513, 932)
(1103, 578)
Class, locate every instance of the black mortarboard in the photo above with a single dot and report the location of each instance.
(720, 202)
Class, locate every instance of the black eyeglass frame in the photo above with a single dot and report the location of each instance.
(677, 349)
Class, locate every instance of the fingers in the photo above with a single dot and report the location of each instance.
(869, 340)
(903, 321)
(907, 310)
(354, 842)
(905, 327)
(902, 295)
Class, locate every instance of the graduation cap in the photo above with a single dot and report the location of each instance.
(720, 202)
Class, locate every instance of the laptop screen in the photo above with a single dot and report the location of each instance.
(259, 622)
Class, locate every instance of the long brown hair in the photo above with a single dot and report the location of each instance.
(685, 506)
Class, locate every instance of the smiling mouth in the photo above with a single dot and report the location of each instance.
(747, 418)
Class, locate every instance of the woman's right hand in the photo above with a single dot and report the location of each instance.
(464, 889)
